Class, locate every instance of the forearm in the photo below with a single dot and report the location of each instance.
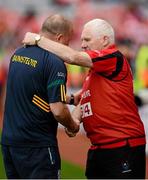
(63, 116)
(77, 113)
(68, 121)
(66, 53)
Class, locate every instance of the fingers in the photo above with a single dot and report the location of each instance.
(25, 40)
(77, 113)
(70, 134)
(29, 38)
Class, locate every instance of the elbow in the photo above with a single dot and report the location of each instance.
(57, 109)
(57, 113)
(57, 117)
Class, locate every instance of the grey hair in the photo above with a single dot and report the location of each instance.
(101, 27)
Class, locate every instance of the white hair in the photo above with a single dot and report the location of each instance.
(101, 27)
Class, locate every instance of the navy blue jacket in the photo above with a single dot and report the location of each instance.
(36, 78)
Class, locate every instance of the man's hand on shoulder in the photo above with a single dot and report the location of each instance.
(30, 38)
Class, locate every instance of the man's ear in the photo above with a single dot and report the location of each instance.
(59, 38)
(106, 41)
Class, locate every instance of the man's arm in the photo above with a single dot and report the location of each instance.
(68, 54)
(77, 114)
(63, 116)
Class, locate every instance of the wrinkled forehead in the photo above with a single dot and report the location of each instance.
(88, 32)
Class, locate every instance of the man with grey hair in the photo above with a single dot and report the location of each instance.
(35, 103)
(109, 113)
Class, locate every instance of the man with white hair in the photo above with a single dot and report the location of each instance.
(109, 113)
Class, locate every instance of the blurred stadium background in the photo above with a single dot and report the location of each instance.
(130, 21)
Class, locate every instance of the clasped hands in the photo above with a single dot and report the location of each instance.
(76, 114)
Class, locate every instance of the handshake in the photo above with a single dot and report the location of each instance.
(76, 115)
(69, 133)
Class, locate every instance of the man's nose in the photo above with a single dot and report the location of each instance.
(83, 46)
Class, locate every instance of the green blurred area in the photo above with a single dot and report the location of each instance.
(2, 170)
(141, 69)
(69, 170)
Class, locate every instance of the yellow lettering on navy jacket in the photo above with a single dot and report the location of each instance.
(25, 60)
